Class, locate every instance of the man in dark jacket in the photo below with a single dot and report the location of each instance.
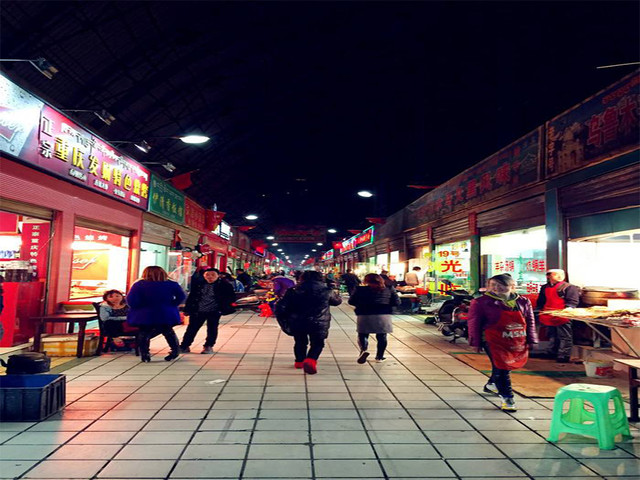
(244, 278)
(306, 306)
(557, 294)
(207, 301)
(351, 281)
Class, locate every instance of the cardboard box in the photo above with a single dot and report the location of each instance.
(67, 345)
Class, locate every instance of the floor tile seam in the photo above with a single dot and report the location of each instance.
(434, 446)
(67, 442)
(264, 389)
(366, 432)
(429, 442)
(186, 446)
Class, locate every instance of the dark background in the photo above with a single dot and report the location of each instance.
(306, 103)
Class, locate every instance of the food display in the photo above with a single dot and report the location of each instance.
(617, 318)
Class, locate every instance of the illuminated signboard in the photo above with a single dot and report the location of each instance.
(327, 256)
(358, 241)
(224, 230)
(39, 135)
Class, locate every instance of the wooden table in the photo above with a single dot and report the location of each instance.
(634, 383)
(619, 329)
(69, 318)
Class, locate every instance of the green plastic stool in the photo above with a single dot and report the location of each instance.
(602, 425)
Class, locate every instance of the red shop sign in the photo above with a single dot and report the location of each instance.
(35, 246)
(37, 134)
(193, 215)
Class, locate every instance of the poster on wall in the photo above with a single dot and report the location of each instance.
(39, 135)
(599, 128)
(452, 263)
(515, 166)
(166, 201)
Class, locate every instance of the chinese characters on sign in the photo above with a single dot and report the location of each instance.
(452, 265)
(35, 246)
(65, 149)
(166, 201)
(193, 215)
(328, 255)
(602, 126)
(512, 167)
(301, 234)
(358, 241)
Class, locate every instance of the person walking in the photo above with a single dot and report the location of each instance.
(306, 307)
(207, 302)
(153, 308)
(557, 294)
(374, 302)
(351, 281)
(502, 322)
(244, 278)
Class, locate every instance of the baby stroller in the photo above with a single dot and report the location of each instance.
(458, 328)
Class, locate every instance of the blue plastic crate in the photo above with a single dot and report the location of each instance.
(31, 397)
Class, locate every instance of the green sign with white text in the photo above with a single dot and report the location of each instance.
(165, 200)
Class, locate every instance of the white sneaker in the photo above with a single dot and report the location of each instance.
(508, 404)
(490, 388)
(381, 359)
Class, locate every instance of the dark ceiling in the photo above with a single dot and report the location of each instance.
(308, 102)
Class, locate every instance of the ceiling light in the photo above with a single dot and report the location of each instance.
(251, 216)
(168, 166)
(275, 244)
(314, 250)
(41, 64)
(332, 230)
(279, 249)
(319, 244)
(365, 193)
(194, 139)
(270, 237)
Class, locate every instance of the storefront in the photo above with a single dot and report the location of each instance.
(451, 262)
(521, 254)
(357, 260)
(57, 177)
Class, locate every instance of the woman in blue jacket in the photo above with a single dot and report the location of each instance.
(153, 302)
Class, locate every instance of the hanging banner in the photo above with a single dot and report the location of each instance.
(301, 234)
(327, 256)
(166, 201)
(39, 135)
(35, 246)
(193, 215)
(511, 168)
(213, 219)
(601, 127)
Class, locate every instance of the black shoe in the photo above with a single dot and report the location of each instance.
(563, 360)
(172, 356)
(145, 357)
(363, 357)
(184, 349)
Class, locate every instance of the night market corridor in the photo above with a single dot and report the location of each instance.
(245, 412)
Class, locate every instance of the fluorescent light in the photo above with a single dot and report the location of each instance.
(274, 244)
(279, 249)
(365, 193)
(319, 244)
(314, 250)
(251, 216)
(332, 230)
(194, 139)
(271, 237)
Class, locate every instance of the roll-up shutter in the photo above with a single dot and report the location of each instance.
(451, 232)
(25, 209)
(515, 216)
(418, 238)
(611, 191)
(189, 237)
(158, 234)
(396, 244)
(102, 227)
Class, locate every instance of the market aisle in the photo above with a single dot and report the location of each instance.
(246, 413)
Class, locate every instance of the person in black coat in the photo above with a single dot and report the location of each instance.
(244, 278)
(207, 301)
(374, 303)
(351, 281)
(307, 308)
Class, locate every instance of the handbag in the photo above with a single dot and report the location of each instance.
(282, 317)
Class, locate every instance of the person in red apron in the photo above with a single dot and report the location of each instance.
(557, 294)
(502, 323)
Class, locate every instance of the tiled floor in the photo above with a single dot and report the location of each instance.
(247, 413)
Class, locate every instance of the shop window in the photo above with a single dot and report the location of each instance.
(451, 263)
(181, 268)
(24, 261)
(606, 261)
(100, 262)
(396, 267)
(153, 254)
(521, 254)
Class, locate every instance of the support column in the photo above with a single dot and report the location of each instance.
(554, 221)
